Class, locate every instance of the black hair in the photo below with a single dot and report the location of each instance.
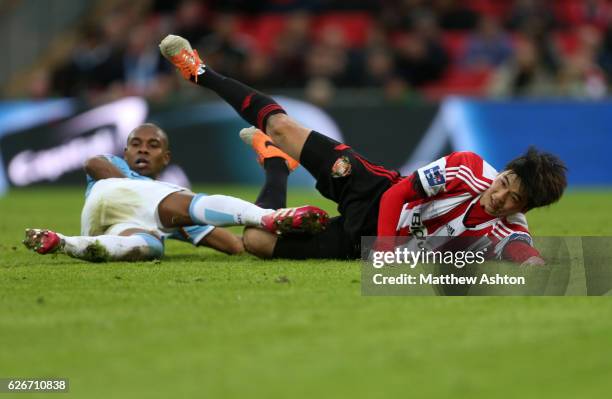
(542, 175)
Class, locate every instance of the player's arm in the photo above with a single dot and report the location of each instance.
(100, 167)
(426, 182)
(518, 246)
(519, 251)
(393, 200)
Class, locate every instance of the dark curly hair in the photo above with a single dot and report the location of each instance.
(542, 177)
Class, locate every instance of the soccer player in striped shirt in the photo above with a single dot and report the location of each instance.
(459, 195)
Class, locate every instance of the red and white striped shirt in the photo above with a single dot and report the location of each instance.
(453, 186)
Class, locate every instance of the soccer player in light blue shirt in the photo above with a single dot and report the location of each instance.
(128, 213)
(195, 235)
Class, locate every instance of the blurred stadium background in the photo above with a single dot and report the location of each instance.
(403, 81)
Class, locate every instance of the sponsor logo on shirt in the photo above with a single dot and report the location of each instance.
(417, 229)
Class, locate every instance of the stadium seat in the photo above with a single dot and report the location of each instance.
(493, 8)
(457, 81)
(354, 25)
(266, 28)
(567, 41)
(263, 30)
(454, 43)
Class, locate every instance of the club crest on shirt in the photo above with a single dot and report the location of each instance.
(434, 176)
(342, 167)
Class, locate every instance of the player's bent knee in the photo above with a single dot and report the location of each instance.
(280, 126)
(258, 242)
(224, 241)
(235, 247)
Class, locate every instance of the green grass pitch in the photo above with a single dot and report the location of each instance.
(202, 324)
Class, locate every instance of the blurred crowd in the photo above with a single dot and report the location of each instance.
(404, 48)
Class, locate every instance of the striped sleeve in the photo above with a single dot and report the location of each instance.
(459, 171)
(509, 229)
(467, 171)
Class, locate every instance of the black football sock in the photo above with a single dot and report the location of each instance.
(273, 194)
(252, 105)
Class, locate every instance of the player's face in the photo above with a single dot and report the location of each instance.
(147, 152)
(505, 196)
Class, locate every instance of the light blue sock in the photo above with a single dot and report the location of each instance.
(223, 210)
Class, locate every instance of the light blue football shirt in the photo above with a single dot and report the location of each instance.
(192, 234)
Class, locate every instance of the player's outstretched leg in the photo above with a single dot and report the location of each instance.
(136, 247)
(253, 106)
(183, 209)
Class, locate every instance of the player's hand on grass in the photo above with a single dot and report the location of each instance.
(534, 261)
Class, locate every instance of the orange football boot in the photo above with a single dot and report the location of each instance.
(178, 51)
(265, 147)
